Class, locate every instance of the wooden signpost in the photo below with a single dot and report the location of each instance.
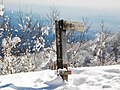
(61, 27)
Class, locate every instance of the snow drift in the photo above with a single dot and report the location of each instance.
(84, 78)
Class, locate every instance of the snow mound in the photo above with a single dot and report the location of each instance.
(84, 78)
(57, 81)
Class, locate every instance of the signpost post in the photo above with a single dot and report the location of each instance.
(61, 27)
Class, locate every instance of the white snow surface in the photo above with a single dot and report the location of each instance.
(84, 78)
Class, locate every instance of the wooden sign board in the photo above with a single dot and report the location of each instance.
(69, 25)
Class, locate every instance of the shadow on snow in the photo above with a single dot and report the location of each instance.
(10, 85)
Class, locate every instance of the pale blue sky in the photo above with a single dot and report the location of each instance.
(108, 4)
(94, 10)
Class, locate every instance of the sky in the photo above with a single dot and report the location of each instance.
(94, 10)
(108, 4)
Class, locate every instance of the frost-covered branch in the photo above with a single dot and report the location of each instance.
(82, 40)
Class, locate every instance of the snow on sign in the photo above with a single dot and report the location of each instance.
(70, 25)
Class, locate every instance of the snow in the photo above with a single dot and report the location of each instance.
(4, 43)
(1, 29)
(56, 82)
(84, 78)
(16, 40)
(16, 30)
(20, 26)
(28, 18)
(45, 30)
(1, 10)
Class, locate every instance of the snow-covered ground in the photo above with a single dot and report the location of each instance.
(85, 78)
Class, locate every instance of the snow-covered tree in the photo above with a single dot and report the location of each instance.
(1, 8)
(73, 50)
(20, 51)
(53, 15)
(99, 48)
(116, 46)
(32, 37)
(9, 62)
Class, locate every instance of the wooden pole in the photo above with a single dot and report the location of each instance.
(59, 46)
